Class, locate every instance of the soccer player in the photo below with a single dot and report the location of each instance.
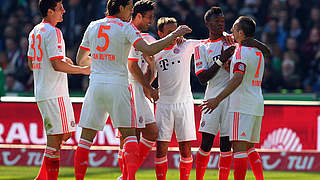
(246, 101)
(108, 40)
(175, 109)
(47, 60)
(141, 73)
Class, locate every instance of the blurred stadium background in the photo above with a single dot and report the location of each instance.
(290, 138)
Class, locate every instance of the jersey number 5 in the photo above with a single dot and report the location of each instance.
(258, 69)
(39, 47)
(105, 36)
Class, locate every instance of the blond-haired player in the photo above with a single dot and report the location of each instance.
(47, 60)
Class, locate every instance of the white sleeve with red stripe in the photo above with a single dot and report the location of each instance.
(132, 33)
(200, 60)
(30, 52)
(241, 58)
(134, 55)
(55, 44)
(85, 40)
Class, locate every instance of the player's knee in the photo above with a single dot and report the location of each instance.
(207, 142)
(151, 132)
(225, 144)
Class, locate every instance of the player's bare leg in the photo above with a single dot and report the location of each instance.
(240, 156)
(82, 153)
(161, 161)
(185, 165)
(255, 162)
(131, 150)
(51, 161)
(149, 136)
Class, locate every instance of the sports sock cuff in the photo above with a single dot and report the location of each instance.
(161, 160)
(186, 159)
(51, 152)
(84, 143)
(225, 154)
(130, 139)
(147, 142)
(240, 155)
(203, 153)
(251, 150)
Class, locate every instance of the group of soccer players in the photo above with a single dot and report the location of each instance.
(115, 45)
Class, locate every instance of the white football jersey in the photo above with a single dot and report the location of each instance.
(204, 57)
(135, 55)
(109, 41)
(45, 44)
(247, 98)
(173, 68)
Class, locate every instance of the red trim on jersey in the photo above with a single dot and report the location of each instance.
(58, 35)
(112, 17)
(134, 44)
(239, 67)
(198, 63)
(235, 125)
(30, 57)
(200, 71)
(133, 59)
(196, 53)
(134, 27)
(84, 48)
(213, 41)
(169, 48)
(145, 34)
(63, 115)
(56, 57)
(48, 23)
(238, 53)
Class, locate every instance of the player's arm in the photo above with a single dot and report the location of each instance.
(62, 65)
(209, 105)
(157, 46)
(149, 75)
(83, 58)
(208, 74)
(251, 42)
(138, 75)
(30, 64)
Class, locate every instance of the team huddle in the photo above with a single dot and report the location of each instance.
(122, 62)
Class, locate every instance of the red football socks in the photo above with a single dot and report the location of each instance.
(201, 163)
(185, 167)
(240, 165)
(255, 163)
(161, 165)
(81, 158)
(131, 155)
(225, 162)
(144, 147)
(52, 163)
(42, 175)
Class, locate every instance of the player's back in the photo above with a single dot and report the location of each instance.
(109, 41)
(247, 98)
(46, 44)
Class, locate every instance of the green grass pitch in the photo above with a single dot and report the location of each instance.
(67, 173)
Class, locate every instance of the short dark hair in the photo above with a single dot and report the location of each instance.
(45, 5)
(247, 25)
(113, 6)
(213, 12)
(142, 7)
(163, 21)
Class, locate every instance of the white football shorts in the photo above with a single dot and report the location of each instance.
(178, 116)
(245, 127)
(103, 99)
(143, 106)
(57, 115)
(217, 119)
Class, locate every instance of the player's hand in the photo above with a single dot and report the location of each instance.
(180, 40)
(181, 30)
(209, 105)
(251, 42)
(228, 38)
(226, 54)
(149, 59)
(86, 70)
(151, 93)
(69, 61)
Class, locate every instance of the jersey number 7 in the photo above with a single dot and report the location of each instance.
(258, 69)
(104, 35)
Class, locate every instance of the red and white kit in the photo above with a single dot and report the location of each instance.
(175, 106)
(205, 56)
(109, 92)
(144, 108)
(246, 102)
(50, 87)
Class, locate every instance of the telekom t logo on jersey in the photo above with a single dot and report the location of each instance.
(164, 63)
